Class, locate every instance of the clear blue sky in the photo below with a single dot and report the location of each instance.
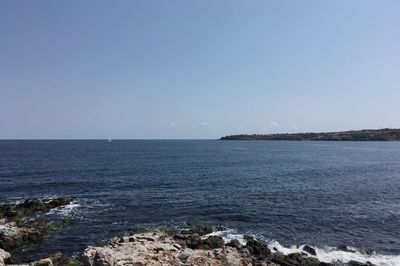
(197, 69)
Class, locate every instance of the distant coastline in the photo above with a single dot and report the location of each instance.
(385, 134)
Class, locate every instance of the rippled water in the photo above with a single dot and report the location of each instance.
(318, 193)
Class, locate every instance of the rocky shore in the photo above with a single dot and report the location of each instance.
(194, 248)
(18, 230)
(195, 245)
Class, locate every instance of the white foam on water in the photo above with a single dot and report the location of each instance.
(13, 201)
(332, 254)
(228, 235)
(65, 210)
(324, 254)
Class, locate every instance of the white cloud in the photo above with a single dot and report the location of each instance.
(172, 124)
(274, 125)
(204, 124)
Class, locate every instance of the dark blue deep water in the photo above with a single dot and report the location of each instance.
(319, 193)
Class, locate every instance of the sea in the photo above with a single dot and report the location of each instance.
(342, 198)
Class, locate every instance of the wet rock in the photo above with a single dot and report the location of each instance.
(325, 264)
(57, 202)
(367, 251)
(357, 263)
(16, 232)
(345, 248)
(195, 242)
(257, 249)
(278, 255)
(220, 228)
(234, 243)
(29, 206)
(198, 229)
(248, 237)
(312, 261)
(34, 205)
(213, 242)
(309, 250)
(295, 259)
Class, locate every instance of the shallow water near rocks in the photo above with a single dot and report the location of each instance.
(325, 194)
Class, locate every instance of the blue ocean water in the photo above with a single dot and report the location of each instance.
(318, 193)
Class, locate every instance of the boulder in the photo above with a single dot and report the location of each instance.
(257, 249)
(43, 262)
(198, 229)
(309, 250)
(35, 205)
(30, 206)
(325, 264)
(212, 242)
(345, 248)
(57, 202)
(15, 212)
(234, 243)
(357, 263)
(295, 259)
(248, 237)
(98, 257)
(104, 258)
(367, 251)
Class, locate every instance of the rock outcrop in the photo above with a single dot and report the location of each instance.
(162, 248)
(15, 231)
(309, 250)
(14, 212)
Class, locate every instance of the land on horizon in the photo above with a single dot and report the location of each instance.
(385, 134)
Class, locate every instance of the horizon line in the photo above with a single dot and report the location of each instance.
(2, 139)
(278, 133)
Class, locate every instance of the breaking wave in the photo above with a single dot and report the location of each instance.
(328, 254)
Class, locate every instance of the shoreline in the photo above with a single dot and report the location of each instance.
(384, 134)
(212, 246)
